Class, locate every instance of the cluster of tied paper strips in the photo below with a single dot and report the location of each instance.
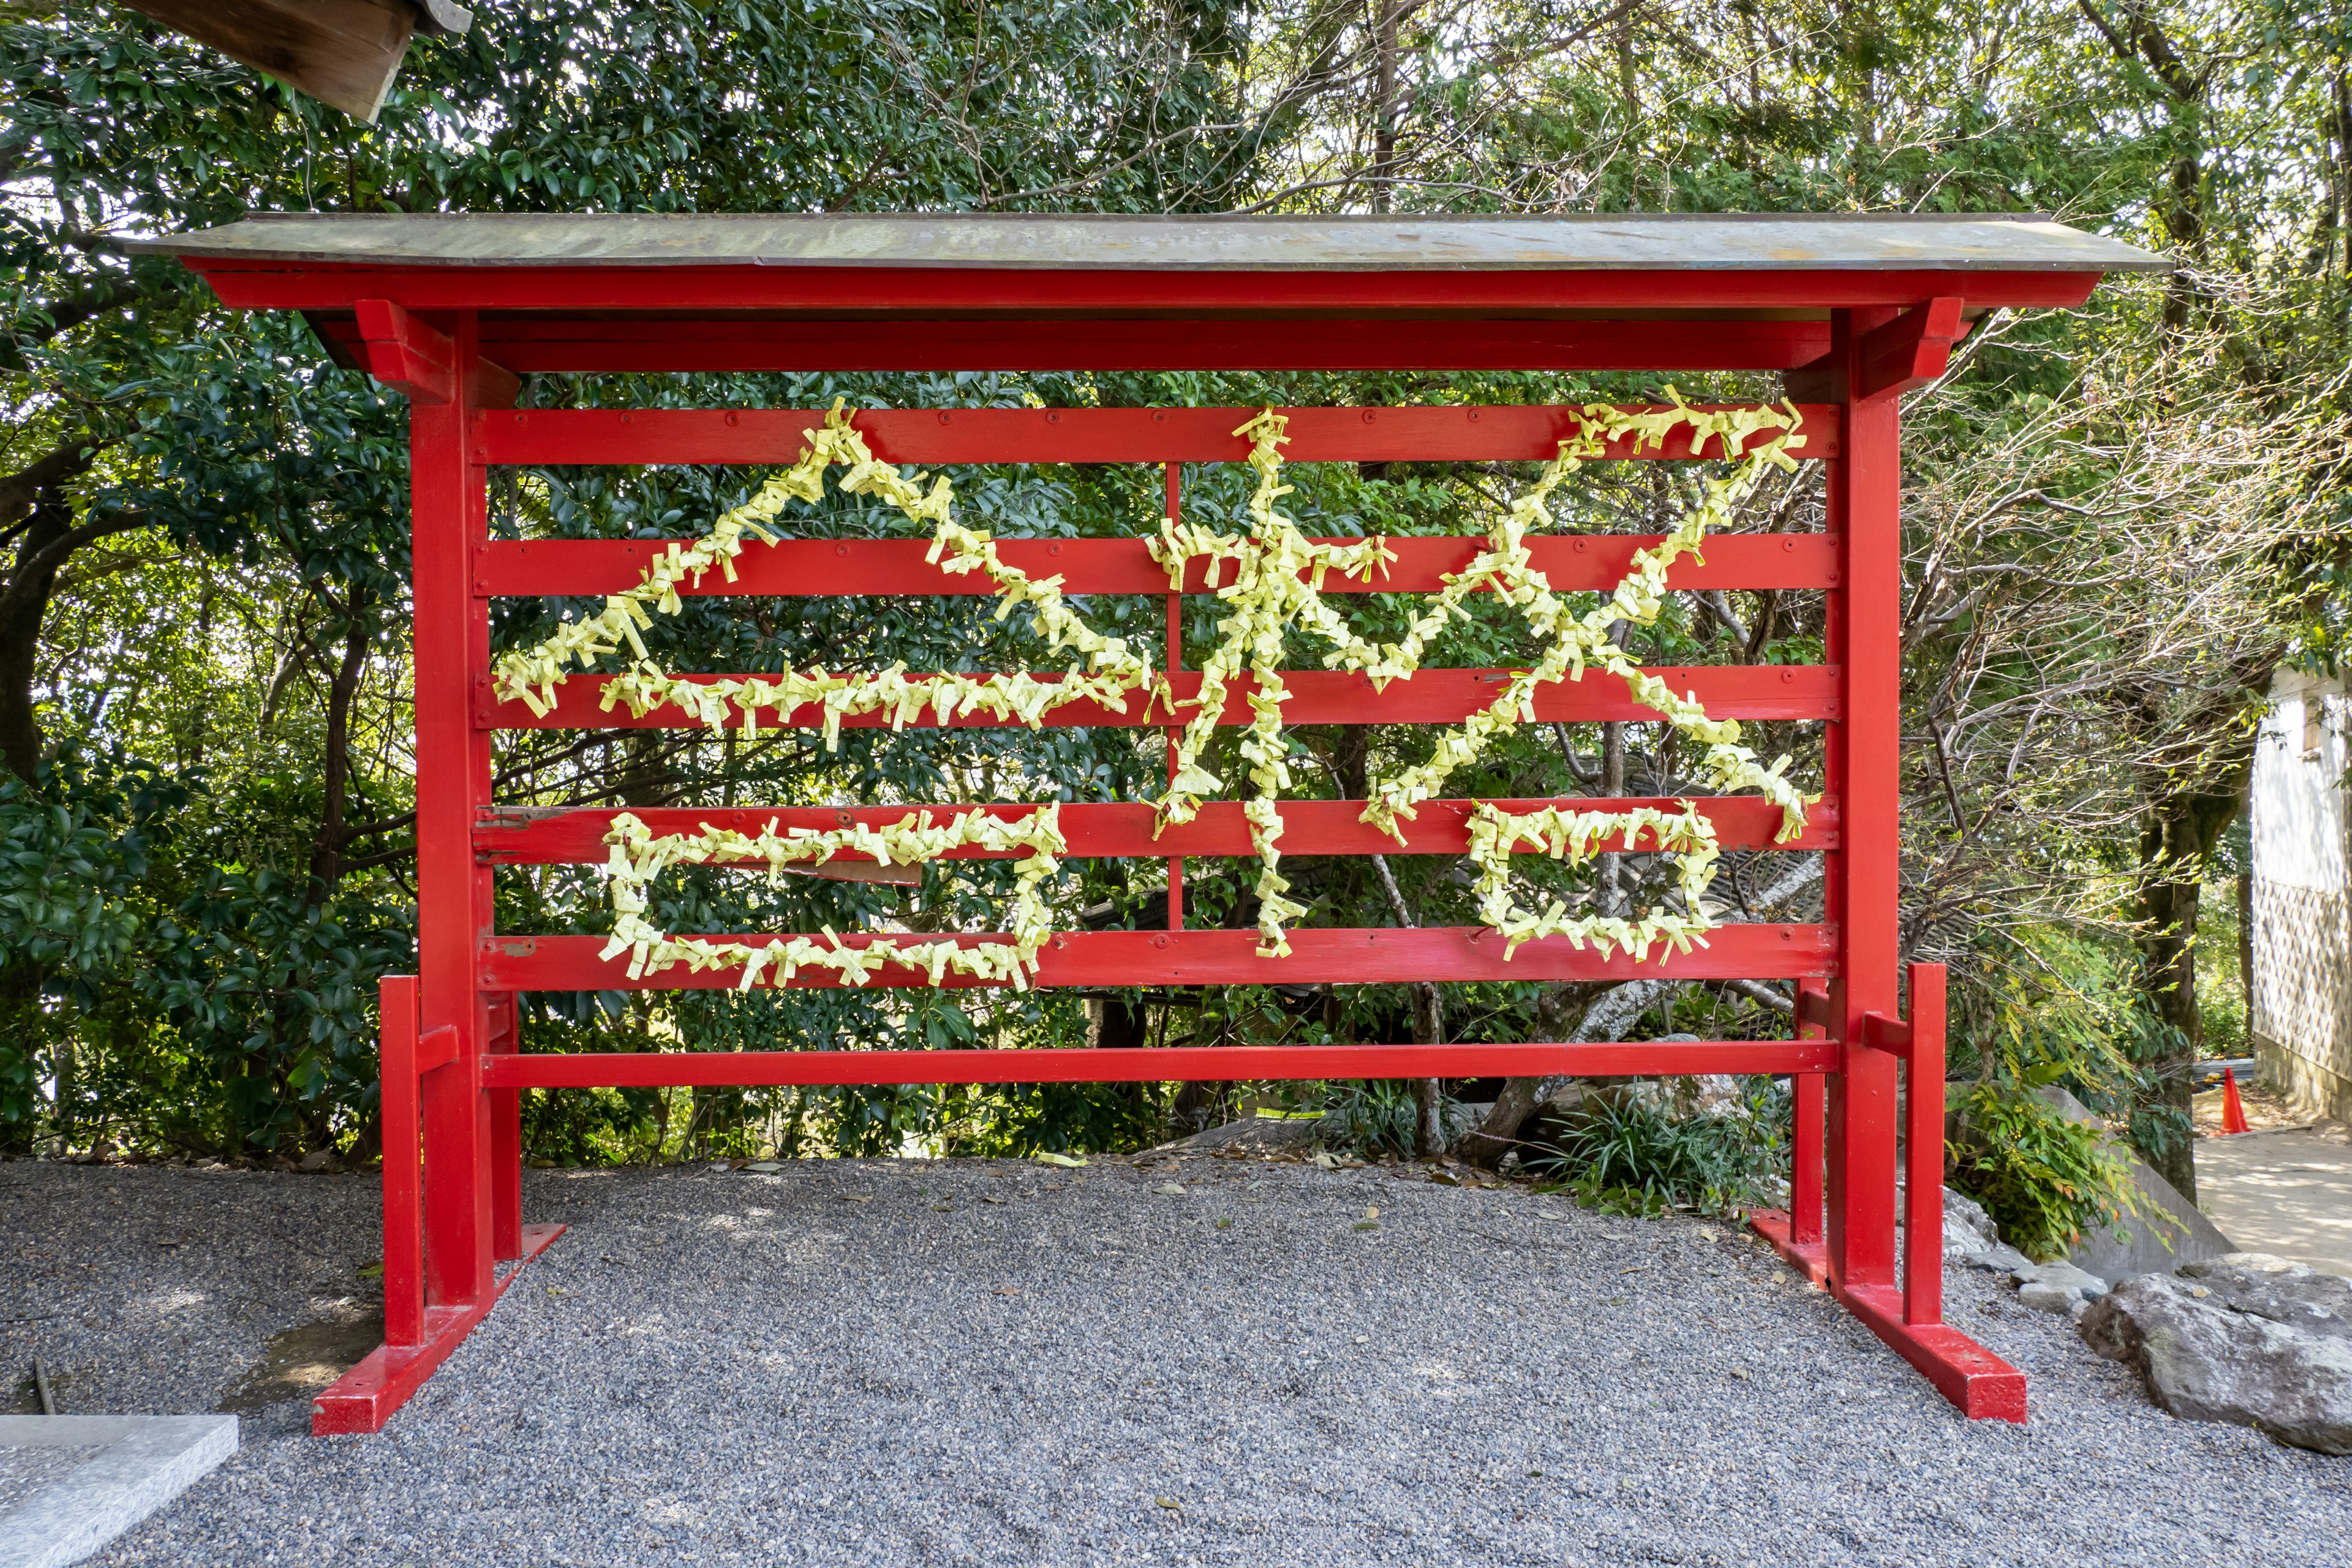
(1277, 578)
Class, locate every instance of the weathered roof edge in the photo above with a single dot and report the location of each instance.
(1994, 242)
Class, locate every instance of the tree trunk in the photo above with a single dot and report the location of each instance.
(1498, 1133)
(327, 845)
(1389, 15)
(1428, 1094)
(2177, 837)
(2138, 39)
(21, 743)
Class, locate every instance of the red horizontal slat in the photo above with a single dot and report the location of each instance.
(936, 436)
(532, 837)
(1182, 1063)
(813, 566)
(1263, 297)
(1317, 697)
(1224, 958)
(1049, 345)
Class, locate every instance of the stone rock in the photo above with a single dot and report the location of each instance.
(1718, 1094)
(1253, 1135)
(2066, 1277)
(1970, 1235)
(2046, 1297)
(318, 1160)
(1967, 1229)
(2057, 1287)
(2246, 1338)
(1457, 1118)
(2000, 1258)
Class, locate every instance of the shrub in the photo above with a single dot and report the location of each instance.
(1369, 1118)
(1636, 1152)
(2044, 1177)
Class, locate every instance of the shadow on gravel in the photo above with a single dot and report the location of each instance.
(305, 1358)
(25, 1399)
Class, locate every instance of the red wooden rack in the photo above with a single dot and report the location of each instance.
(453, 309)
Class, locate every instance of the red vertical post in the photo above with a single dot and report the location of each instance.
(1805, 1133)
(453, 774)
(506, 1138)
(1865, 501)
(1923, 1219)
(1835, 493)
(404, 1230)
(1175, 663)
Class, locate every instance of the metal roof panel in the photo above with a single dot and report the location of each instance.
(1586, 242)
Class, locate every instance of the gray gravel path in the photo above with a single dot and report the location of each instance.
(988, 1362)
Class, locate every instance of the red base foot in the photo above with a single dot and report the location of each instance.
(1809, 1258)
(1980, 1385)
(364, 1398)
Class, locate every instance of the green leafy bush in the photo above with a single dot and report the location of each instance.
(1369, 1118)
(72, 852)
(2044, 1177)
(1639, 1153)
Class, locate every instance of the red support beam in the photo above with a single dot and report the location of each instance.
(1893, 1035)
(1172, 476)
(1445, 432)
(1909, 351)
(1278, 301)
(1923, 1221)
(399, 1064)
(1978, 1383)
(805, 567)
(436, 1048)
(1805, 1151)
(1319, 957)
(575, 837)
(388, 1377)
(1867, 488)
(1317, 697)
(1197, 1064)
(1047, 344)
(404, 353)
(453, 780)
(505, 1133)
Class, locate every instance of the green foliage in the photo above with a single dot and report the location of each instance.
(1367, 1118)
(276, 991)
(2158, 1125)
(2044, 1177)
(176, 971)
(226, 437)
(1637, 1153)
(72, 850)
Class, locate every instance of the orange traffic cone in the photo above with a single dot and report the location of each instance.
(2233, 1114)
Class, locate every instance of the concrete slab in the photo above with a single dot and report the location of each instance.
(2287, 1192)
(2173, 1231)
(129, 1466)
(2150, 1245)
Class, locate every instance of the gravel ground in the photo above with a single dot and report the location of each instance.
(990, 1363)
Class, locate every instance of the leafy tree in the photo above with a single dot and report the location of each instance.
(205, 542)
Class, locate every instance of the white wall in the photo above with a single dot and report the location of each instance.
(2301, 994)
(2297, 796)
